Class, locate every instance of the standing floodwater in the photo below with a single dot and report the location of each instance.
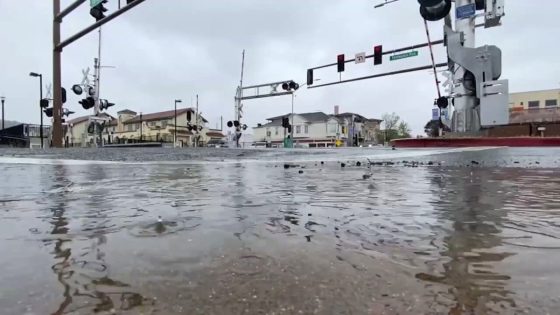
(456, 233)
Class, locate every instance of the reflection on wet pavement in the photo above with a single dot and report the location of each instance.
(233, 238)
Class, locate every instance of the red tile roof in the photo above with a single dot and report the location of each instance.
(160, 115)
(86, 118)
(215, 134)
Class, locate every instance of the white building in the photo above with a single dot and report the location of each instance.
(317, 129)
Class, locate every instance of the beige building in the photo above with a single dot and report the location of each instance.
(535, 106)
(76, 131)
(131, 127)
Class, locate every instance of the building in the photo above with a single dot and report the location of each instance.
(131, 127)
(361, 130)
(25, 136)
(535, 106)
(317, 129)
(76, 131)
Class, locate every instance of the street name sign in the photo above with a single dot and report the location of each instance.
(93, 3)
(409, 54)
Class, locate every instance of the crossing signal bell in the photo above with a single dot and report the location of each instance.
(98, 11)
(340, 62)
(434, 10)
(378, 55)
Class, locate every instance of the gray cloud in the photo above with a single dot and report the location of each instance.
(167, 49)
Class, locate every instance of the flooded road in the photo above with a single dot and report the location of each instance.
(422, 232)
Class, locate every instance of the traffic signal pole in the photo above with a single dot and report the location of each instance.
(59, 45)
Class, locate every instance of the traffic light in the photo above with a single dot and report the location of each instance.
(189, 115)
(105, 104)
(290, 86)
(442, 102)
(77, 89)
(44, 103)
(378, 55)
(285, 122)
(340, 62)
(98, 11)
(309, 76)
(434, 10)
(87, 103)
(48, 112)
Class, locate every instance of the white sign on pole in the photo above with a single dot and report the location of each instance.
(360, 57)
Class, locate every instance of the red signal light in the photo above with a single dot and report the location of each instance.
(340, 62)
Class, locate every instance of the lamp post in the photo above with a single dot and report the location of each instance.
(33, 74)
(175, 134)
(2, 98)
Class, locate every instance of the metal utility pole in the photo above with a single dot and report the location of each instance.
(238, 105)
(141, 130)
(97, 75)
(292, 122)
(196, 123)
(57, 78)
(2, 99)
(175, 127)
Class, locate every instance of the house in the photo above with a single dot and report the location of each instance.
(316, 130)
(360, 130)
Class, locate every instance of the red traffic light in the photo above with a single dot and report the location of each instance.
(378, 55)
(340, 62)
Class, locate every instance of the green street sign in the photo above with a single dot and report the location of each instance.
(93, 3)
(409, 54)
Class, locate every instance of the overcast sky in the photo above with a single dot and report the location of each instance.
(168, 49)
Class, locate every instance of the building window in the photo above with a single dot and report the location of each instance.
(306, 129)
(129, 127)
(549, 103)
(164, 124)
(276, 131)
(298, 129)
(332, 128)
(534, 104)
